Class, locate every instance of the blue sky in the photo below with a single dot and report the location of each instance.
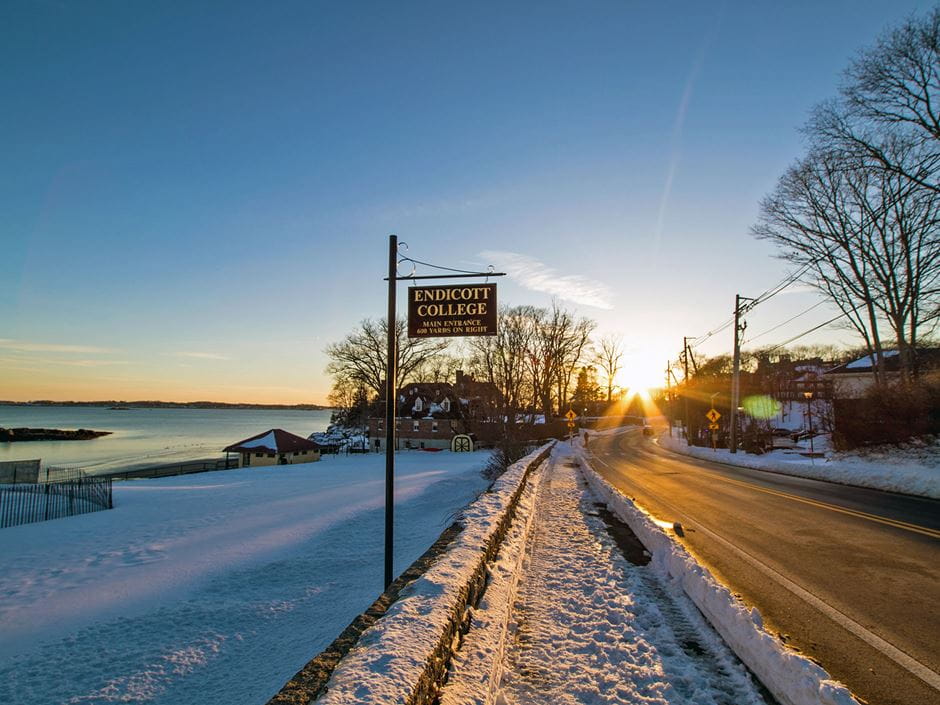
(196, 196)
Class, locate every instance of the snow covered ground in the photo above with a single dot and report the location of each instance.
(210, 588)
(584, 625)
(913, 471)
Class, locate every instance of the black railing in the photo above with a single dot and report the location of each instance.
(167, 470)
(25, 503)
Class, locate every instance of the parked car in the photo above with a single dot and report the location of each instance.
(647, 430)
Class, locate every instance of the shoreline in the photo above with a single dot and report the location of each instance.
(117, 405)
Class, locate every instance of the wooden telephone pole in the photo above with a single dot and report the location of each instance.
(739, 328)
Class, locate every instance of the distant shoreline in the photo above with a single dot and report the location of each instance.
(120, 405)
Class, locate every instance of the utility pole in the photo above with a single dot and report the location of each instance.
(669, 399)
(685, 380)
(736, 374)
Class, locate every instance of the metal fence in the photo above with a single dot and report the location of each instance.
(167, 470)
(25, 503)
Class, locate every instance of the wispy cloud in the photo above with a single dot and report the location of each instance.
(92, 363)
(201, 355)
(27, 346)
(538, 276)
(678, 126)
(11, 362)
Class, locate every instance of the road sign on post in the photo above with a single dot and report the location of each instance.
(451, 311)
(713, 415)
(448, 311)
(571, 416)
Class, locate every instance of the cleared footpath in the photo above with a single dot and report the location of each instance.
(589, 620)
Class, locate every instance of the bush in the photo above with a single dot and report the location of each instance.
(891, 415)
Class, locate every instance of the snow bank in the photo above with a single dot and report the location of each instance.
(898, 474)
(478, 666)
(793, 679)
(403, 657)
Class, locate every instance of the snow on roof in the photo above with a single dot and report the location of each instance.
(867, 362)
(266, 441)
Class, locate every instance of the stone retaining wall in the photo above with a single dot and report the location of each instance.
(398, 650)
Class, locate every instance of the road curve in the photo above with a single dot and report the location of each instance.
(848, 576)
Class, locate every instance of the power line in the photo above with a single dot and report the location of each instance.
(783, 284)
(789, 320)
(766, 296)
(814, 328)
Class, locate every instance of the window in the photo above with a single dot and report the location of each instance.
(398, 425)
(259, 455)
(416, 426)
(434, 427)
(419, 404)
(380, 424)
(445, 405)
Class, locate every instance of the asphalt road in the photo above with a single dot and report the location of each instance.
(848, 576)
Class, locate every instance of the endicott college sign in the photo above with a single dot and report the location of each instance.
(443, 311)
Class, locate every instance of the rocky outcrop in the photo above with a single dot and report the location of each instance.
(11, 435)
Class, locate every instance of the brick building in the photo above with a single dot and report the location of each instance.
(430, 414)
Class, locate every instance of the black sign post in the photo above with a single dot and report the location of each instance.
(433, 312)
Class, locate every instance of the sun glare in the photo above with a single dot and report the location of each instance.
(639, 376)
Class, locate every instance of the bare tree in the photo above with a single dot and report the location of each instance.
(561, 342)
(867, 238)
(608, 351)
(504, 359)
(438, 368)
(862, 211)
(533, 358)
(889, 108)
(361, 356)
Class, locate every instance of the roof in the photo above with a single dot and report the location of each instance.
(924, 359)
(276, 440)
(432, 397)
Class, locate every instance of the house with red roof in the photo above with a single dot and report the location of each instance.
(274, 447)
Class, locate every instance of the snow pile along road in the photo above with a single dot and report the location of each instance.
(791, 678)
(402, 657)
(892, 474)
(582, 624)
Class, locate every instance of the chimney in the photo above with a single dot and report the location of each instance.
(459, 377)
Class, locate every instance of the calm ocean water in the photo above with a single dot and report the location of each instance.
(142, 437)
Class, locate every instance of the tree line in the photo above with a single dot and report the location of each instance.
(536, 361)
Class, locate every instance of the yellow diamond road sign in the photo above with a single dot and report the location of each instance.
(571, 424)
(712, 415)
(571, 416)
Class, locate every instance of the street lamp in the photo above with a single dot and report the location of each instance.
(809, 413)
